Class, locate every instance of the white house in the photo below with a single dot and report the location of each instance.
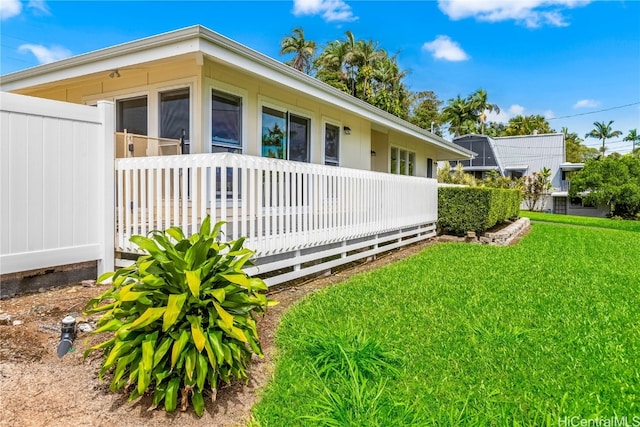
(204, 125)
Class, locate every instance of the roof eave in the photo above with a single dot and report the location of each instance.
(188, 40)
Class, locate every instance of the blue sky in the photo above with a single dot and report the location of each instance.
(574, 61)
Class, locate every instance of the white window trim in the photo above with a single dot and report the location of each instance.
(291, 109)
(400, 147)
(152, 92)
(326, 121)
(220, 86)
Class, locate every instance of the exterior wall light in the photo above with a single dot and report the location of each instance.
(347, 130)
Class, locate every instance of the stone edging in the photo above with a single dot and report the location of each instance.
(502, 237)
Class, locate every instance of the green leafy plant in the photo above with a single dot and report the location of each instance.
(182, 317)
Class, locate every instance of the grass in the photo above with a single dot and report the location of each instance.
(585, 221)
(469, 335)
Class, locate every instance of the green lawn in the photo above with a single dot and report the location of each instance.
(583, 221)
(469, 335)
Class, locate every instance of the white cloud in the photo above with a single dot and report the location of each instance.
(586, 103)
(549, 114)
(505, 115)
(10, 8)
(445, 48)
(331, 10)
(531, 13)
(39, 5)
(43, 54)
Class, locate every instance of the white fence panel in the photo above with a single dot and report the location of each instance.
(280, 207)
(56, 185)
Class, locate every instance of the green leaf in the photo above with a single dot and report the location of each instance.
(112, 325)
(218, 294)
(193, 280)
(171, 396)
(162, 349)
(238, 279)
(174, 307)
(146, 362)
(226, 318)
(196, 331)
(176, 233)
(205, 227)
(198, 402)
(202, 368)
(150, 315)
(190, 362)
(178, 346)
(215, 338)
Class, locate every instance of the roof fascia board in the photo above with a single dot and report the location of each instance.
(189, 40)
(120, 56)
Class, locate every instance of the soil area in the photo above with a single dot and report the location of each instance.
(39, 389)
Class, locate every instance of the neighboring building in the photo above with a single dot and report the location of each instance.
(220, 96)
(519, 156)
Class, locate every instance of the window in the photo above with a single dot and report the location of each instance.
(131, 114)
(299, 129)
(331, 145)
(402, 161)
(226, 123)
(285, 135)
(174, 116)
(429, 167)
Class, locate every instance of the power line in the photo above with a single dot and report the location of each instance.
(597, 111)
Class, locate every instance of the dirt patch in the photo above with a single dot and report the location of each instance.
(37, 388)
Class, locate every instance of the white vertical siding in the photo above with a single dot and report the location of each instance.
(53, 158)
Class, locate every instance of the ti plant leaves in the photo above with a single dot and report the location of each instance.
(181, 318)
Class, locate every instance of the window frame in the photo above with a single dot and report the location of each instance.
(409, 166)
(337, 162)
(288, 110)
(226, 88)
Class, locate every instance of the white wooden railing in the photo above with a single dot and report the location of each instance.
(278, 206)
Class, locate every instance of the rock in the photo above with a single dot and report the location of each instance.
(88, 283)
(17, 322)
(5, 319)
(85, 327)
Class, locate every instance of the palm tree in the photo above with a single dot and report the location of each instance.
(459, 115)
(302, 49)
(528, 125)
(603, 131)
(480, 106)
(634, 138)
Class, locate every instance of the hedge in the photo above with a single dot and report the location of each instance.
(462, 209)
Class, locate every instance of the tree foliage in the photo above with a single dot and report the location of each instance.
(603, 131)
(425, 111)
(575, 151)
(303, 50)
(613, 181)
(362, 69)
(634, 139)
(468, 115)
(528, 125)
(536, 186)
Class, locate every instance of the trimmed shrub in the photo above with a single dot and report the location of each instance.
(462, 209)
